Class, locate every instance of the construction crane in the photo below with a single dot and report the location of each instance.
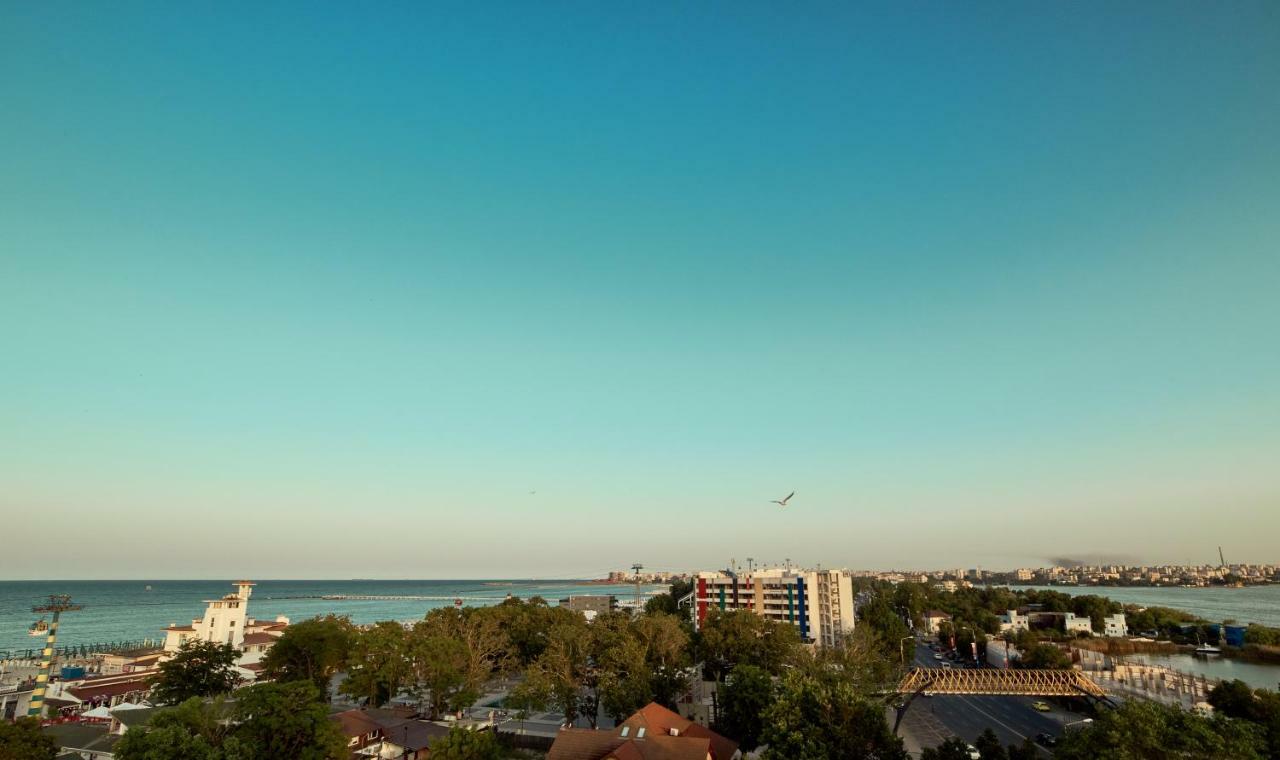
(58, 604)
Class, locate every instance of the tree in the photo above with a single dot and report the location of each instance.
(199, 669)
(311, 650)
(1235, 699)
(1140, 729)
(562, 673)
(1027, 750)
(480, 629)
(377, 663)
(747, 693)
(1045, 657)
(461, 744)
(287, 720)
(193, 730)
(740, 637)
(438, 671)
(812, 718)
(861, 660)
(23, 740)
(989, 746)
(953, 748)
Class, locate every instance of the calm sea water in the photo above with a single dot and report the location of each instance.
(1252, 604)
(126, 610)
(1257, 675)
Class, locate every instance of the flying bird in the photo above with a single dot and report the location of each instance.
(783, 501)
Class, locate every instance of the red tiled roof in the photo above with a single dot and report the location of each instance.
(356, 723)
(658, 720)
(584, 744)
(259, 638)
(690, 742)
(108, 687)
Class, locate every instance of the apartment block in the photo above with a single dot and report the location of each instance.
(818, 602)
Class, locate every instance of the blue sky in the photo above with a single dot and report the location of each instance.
(305, 291)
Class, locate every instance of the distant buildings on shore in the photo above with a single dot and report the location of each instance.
(1089, 575)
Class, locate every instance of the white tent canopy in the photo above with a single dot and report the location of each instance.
(127, 706)
(98, 712)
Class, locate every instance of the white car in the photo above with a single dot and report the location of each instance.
(937, 656)
(974, 754)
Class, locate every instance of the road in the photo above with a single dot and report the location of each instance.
(930, 720)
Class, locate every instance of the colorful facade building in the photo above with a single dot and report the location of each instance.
(818, 602)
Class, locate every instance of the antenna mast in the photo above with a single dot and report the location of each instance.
(637, 567)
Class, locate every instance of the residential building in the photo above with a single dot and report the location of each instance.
(818, 602)
(227, 621)
(934, 618)
(1115, 625)
(362, 732)
(1013, 621)
(651, 733)
(1073, 623)
(591, 604)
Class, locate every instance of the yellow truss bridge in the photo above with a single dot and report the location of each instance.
(1026, 683)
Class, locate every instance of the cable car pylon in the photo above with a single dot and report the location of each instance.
(58, 604)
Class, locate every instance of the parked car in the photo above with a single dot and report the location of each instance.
(1046, 740)
(1039, 706)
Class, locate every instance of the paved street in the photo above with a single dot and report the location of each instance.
(932, 719)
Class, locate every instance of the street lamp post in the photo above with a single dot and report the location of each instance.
(902, 657)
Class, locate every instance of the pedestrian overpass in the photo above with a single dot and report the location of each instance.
(994, 682)
(988, 681)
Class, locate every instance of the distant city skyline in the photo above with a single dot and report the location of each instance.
(515, 290)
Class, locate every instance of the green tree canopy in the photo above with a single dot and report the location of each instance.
(741, 637)
(814, 719)
(989, 746)
(954, 748)
(377, 663)
(1138, 730)
(265, 720)
(199, 669)
(287, 720)
(742, 700)
(311, 650)
(1236, 699)
(1041, 656)
(23, 740)
(461, 744)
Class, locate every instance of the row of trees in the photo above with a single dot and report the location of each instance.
(800, 702)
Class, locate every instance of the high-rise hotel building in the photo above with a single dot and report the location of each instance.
(818, 602)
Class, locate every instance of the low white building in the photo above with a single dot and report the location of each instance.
(1115, 625)
(1076, 624)
(1012, 622)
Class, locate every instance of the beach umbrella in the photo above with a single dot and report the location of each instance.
(127, 706)
(100, 713)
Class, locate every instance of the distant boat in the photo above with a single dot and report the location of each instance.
(1208, 649)
(148, 588)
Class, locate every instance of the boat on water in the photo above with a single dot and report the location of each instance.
(1206, 650)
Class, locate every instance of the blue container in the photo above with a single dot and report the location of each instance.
(1235, 635)
(70, 673)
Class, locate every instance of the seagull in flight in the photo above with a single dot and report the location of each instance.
(783, 501)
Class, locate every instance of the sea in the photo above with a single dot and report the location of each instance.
(1251, 604)
(116, 611)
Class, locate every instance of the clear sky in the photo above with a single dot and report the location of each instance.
(482, 289)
